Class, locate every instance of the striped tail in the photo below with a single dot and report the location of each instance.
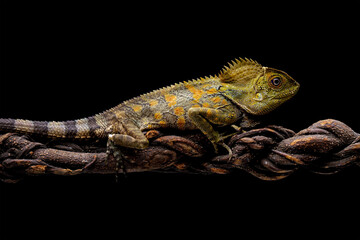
(92, 127)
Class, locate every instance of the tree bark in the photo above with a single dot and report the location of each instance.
(269, 153)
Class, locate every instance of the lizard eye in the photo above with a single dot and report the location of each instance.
(276, 82)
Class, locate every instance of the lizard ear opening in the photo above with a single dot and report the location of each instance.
(240, 71)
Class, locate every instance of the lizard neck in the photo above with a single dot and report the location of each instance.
(238, 95)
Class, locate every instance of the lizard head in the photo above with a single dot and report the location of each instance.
(256, 89)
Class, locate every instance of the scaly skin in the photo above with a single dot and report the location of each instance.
(242, 89)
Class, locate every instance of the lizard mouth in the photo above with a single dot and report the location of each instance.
(287, 94)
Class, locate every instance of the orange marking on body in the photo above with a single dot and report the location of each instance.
(216, 99)
(206, 104)
(158, 116)
(171, 99)
(137, 108)
(179, 111)
(224, 102)
(162, 123)
(153, 102)
(209, 112)
(211, 91)
(197, 93)
(181, 122)
(196, 106)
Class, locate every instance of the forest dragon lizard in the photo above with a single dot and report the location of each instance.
(241, 89)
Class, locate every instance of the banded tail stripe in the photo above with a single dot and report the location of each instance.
(81, 128)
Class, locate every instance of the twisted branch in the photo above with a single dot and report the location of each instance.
(269, 153)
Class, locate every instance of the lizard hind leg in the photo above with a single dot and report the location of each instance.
(128, 141)
(126, 133)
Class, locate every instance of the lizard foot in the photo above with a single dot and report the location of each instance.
(230, 153)
(119, 157)
(228, 149)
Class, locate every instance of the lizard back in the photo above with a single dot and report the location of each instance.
(168, 107)
(163, 108)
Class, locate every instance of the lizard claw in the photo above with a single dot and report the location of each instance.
(230, 153)
(221, 143)
(224, 158)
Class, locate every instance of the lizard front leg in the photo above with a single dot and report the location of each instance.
(204, 118)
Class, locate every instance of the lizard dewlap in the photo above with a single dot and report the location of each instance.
(241, 89)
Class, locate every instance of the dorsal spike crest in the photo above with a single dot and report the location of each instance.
(241, 70)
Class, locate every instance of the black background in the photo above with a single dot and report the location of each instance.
(65, 60)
